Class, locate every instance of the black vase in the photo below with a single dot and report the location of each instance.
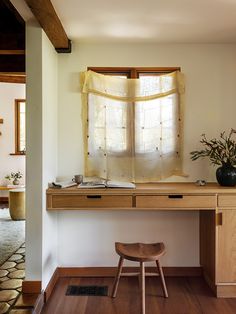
(226, 175)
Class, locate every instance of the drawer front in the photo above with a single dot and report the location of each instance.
(227, 200)
(90, 201)
(176, 201)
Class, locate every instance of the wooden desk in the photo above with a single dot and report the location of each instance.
(217, 206)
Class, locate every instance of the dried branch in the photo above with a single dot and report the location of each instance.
(220, 151)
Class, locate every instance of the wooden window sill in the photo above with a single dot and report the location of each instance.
(17, 154)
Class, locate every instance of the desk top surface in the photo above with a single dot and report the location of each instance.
(151, 188)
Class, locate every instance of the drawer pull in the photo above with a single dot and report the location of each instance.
(175, 196)
(94, 196)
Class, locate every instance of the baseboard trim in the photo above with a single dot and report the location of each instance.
(29, 286)
(51, 284)
(226, 291)
(111, 271)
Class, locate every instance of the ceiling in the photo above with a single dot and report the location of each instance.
(12, 26)
(12, 40)
(161, 21)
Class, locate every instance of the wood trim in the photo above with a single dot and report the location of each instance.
(134, 70)
(226, 291)
(29, 286)
(47, 17)
(17, 126)
(111, 271)
(12, 52)
(13, 78)
(17, 154)
(48, 291)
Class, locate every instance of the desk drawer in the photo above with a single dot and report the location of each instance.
(226, 200)
(90, 201)
(176, 201)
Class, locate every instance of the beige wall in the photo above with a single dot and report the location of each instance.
(87, 238)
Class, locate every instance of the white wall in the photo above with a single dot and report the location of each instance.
(49, 78)
(41, 127)
(8, 93)
(87, 238)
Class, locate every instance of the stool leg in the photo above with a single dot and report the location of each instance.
(142, 286)
(116, 282)
(162, 279)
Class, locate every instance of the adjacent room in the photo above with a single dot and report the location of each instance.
(12, 155)
(130, 159)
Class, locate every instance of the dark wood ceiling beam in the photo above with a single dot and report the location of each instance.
(46, 15)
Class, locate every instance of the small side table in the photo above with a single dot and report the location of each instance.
(17, 204)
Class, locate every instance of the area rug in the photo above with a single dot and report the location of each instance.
(12, 235)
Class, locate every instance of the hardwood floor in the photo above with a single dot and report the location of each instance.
(186, 296)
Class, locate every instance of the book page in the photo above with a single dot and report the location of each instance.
(92, 184)
(120, 184)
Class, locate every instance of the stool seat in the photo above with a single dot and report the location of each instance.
(140, 252)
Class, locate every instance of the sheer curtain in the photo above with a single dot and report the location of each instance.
(132, 127)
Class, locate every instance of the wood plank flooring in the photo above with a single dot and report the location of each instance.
(186, 296)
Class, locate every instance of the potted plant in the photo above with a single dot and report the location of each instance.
(15, 176)
(221, 152)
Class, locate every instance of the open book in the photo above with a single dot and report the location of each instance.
(61, 185)
(106, 184)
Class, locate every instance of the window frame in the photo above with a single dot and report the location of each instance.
(17, 126)
(133, 72)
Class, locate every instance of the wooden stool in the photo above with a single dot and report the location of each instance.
(140, 252)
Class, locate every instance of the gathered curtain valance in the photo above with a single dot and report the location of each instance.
(131, 90)
(132, 127)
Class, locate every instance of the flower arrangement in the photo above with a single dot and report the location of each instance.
(15, 176)
(220, 151)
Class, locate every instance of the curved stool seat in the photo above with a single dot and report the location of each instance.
(140, 252)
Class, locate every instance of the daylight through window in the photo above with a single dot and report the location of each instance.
(20, 146)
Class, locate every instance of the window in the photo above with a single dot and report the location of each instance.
(133, 122)
(20, 147)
